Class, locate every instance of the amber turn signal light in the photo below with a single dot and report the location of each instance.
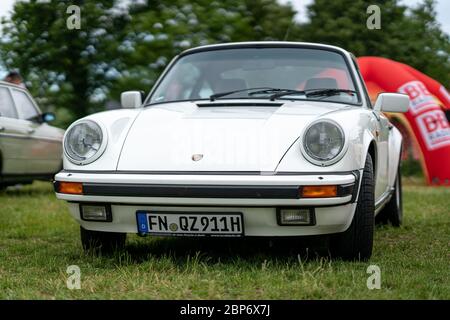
(318, 191)
(70, 187)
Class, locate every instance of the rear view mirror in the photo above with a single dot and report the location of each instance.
(131, 99)
(48, 117)
(392, 102)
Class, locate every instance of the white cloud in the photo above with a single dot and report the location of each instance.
(6, 7)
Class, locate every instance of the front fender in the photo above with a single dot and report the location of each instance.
(359, 128)
(368, 139)
(116, 123)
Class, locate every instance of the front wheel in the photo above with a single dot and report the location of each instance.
(357, 241)
(102, 241)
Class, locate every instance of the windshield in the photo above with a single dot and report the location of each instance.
(200, 75)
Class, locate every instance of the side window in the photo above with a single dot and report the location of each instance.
(24, 105)
(7, 109)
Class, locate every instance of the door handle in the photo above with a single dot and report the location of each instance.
(30, 131)
(2, 129)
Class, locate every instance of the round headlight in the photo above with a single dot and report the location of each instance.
(84, 142)
(323, 142)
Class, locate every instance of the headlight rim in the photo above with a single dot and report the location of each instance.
(323, 163)
(100, 151)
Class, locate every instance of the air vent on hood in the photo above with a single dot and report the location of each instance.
(240, 104)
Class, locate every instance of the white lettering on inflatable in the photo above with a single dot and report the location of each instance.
(421, 98)
(434, 128)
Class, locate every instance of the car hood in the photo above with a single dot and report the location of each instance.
(232, 136)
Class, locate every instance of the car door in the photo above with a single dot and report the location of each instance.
(43, 152)
(13, 134)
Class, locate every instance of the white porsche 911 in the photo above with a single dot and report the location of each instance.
(271, 139)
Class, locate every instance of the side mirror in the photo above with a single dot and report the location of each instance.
(392, 102)
(131, 99)
(48, 117)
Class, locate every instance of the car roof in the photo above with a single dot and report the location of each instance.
(264, 44)
(6, 83)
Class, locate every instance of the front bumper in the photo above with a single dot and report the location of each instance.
(257, 196)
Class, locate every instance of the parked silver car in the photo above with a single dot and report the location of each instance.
(30, 149)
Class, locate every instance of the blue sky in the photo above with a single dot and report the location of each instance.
(443, 8)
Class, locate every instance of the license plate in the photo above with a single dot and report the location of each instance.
(190, 224)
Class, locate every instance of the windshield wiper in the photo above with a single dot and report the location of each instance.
(312, 93)
(329, 92)
(286, 92)
(223, 94)
(270, 90)
(277, 92)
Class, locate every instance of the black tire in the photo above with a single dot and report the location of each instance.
(105, 242)
(393, 211)
(356, 242)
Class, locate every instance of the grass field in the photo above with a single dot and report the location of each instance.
(39, 240)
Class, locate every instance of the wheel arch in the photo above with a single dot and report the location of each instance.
(369, 146)
(372, 150)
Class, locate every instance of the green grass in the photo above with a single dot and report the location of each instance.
(39, 240)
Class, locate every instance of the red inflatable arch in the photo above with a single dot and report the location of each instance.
(425, 120)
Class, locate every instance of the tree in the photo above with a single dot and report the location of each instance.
(431, 54)
(68, 67)
(78, 70)
(410, 36)
(159, 30)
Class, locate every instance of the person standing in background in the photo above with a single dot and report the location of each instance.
(15, 78)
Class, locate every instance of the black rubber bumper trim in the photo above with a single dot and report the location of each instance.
(191, 191)
(206, 191)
